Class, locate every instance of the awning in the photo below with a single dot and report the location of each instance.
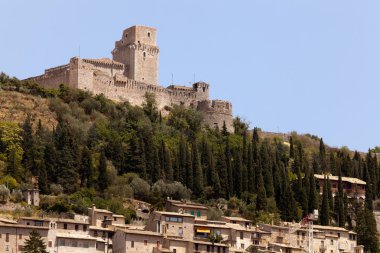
(201, 230)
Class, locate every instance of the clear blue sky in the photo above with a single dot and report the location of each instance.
(308, 66)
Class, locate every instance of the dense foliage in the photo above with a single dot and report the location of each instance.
(102, 150)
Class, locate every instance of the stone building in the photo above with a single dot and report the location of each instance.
(353, 187)
(131, 73)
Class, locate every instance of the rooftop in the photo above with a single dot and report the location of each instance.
(351, 180)
(175, 214)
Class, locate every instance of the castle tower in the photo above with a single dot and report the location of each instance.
(138, 51)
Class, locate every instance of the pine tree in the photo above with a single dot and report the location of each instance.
(103, 176)
(34, 244)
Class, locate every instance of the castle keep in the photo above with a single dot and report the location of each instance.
(133, 72)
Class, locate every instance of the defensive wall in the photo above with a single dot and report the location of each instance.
(131, 74)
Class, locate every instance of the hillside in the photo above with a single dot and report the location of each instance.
(15, 106)
(89, 149)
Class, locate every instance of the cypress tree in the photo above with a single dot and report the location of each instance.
(322, 156)
(224, 129)
(85, 170)
(182, 175)
(250, 171)
(222, 171)
(261, 200)
(238, 173)
(103, 175)
(324, 217)
(67, 147)
(197, 168)
(341, 218)
(313, 194)
(229, 168)
(291, 149)
(189, 167)
(266, 168)
(287, 203)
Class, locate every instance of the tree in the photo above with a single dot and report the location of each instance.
(324, 217)
(340, 214)
(34, 244)
(197, 169)
(261, 200)
(103, 176)
(85, 170)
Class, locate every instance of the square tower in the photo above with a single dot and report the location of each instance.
(138, 51)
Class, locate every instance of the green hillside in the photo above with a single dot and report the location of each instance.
(87, 149)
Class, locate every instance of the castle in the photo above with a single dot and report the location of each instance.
(133, 72)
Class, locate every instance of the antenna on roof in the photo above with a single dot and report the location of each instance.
(79, 51)
(172, 78)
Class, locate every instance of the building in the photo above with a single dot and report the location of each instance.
(289, 237)
(172, 232)
(131, 73)
(353, 187)
(31, 196)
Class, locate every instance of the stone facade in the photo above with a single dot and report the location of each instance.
(133, 72)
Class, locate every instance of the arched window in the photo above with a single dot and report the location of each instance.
(149, 34)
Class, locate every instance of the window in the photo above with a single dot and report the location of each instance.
(331, 242)
(174, 250)
(180, 231)
(198, 213)
(86, 244)
(242, 245)
(126, 35)
(50, 244)
(105, 217)
(149, 34)
(38, 223)
(114, 218)
(144, 55)
(132, 244)
(7, 237)
(158, 244)
(21, 247)
(6, 247)
(28, 223)
(174, 219)
(241, 235)
(192, 212)
(145, 242)
(65, 226)
(61, 242)
(84, 228)
(96, 233)
(208, 248)
(20, 236)
(76, 227)
(196, 247)
(74, 243)
(338, 235)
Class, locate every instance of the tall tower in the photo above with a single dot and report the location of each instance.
(138, 50)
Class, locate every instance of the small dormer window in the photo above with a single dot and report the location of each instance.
(149, 34)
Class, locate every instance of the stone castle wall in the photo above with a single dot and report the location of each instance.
(131, 74)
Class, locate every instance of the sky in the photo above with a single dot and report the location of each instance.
(286, 65)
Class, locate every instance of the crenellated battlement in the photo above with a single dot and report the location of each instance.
(131, 73)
